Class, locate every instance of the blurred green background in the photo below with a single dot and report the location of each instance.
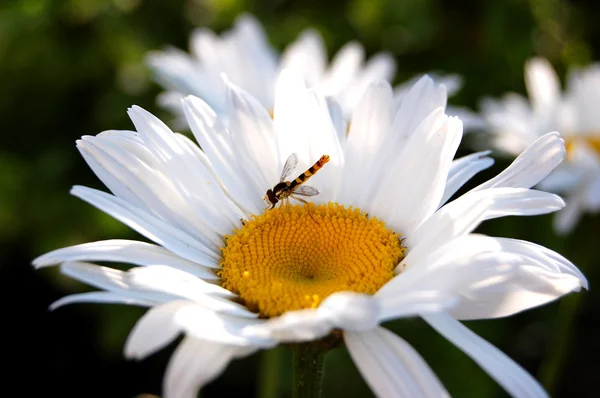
(72, 67)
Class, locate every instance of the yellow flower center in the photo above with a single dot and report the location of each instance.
(592, 141)
(293, 257)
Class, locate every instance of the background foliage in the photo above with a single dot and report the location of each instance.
(70, 68)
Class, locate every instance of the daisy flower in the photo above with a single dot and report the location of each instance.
(246, 57)
(379, 242)
(516, 122)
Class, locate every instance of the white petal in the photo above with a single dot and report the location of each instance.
(194, 150)
(457, 218)
(455, 266)
(550, 260)
(249, 46)
(338, 120)
(103, 298)
(171, 101)
(153, 331)
(307, 56)
(369, 126)
(350, 311)
(531, 166)
(391, 367)
(290, 123)
(214, 179)
(564, 178)
(294, 326)
(463, 169)
(343, 69)
(410, 303)
(303, 126)
(110, 180)
(184, 283)
(187, 173)
(453, 82)
(147, 187)
(209, 50)
(464, 214)
(196, 362)
(581, 95)
(542, 83)
(206, 324)
(343, 310)
(513, 122)
(177, 71)
(153, 228)
(584, 155)
(471, 120)
(513, 378)
(566, 220)
(379, 68)
(421, 108)
(245, 44)
(127, 251)
(592, 193)
(178, 283)
(129, 140)
(156, 284)
(215, 139)
(530, 287)
(161, 324)
(424, 97)
(109, 279)
(370, 122)
(522, 202)
(422, 168)
(541, 276)
(253, 142)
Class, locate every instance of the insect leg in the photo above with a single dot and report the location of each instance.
(307, 204)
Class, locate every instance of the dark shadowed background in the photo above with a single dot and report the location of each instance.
(70, 68)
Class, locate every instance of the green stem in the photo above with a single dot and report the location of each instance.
(308, 369)
(568, 309)
(552, 367)
(269, 373)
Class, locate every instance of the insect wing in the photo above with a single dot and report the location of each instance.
(289, 166)
(306, 190)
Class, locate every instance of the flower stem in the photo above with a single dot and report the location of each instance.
(552, 367)
(308, 369)
(270, 364)
(568, 309)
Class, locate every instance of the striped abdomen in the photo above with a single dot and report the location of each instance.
(310, 172)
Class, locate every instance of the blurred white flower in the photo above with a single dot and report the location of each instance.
(516, 122)
(245, 56)
(378, 243)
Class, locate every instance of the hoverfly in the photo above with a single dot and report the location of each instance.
(286, 189)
